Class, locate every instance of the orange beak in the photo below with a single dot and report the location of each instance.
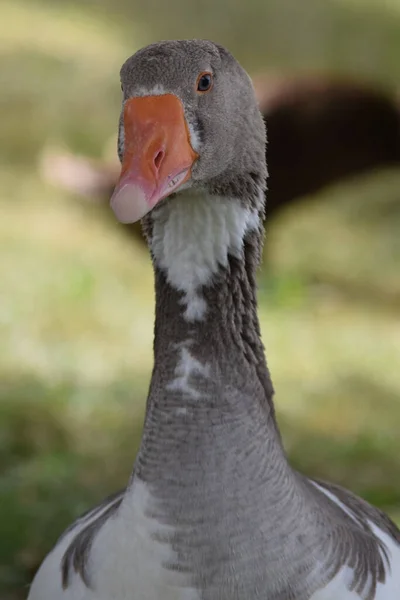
(158, 156)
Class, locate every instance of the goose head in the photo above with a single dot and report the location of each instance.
(189, 120)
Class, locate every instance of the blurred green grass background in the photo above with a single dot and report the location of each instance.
(76, 301)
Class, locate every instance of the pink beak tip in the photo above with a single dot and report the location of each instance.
(129, 203)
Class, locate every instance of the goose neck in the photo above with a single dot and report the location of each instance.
(210, 384)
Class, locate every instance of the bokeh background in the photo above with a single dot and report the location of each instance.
(76, 299)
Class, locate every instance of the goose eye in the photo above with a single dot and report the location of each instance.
(204, 82)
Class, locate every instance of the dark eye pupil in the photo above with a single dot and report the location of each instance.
(204, 83)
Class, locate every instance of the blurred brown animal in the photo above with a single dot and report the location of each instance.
(320, 130)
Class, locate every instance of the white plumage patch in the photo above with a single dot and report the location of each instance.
(339, 587)
(47, 584)
(187, 366)
(390, 590)
(156, 90)
(193, 235)
(194, 138)
(128, 560)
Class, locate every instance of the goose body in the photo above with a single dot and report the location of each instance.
(213, 510)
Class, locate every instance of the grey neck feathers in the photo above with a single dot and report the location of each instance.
(210, 375)
(211, 453)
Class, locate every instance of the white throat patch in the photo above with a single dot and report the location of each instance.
(192, 238)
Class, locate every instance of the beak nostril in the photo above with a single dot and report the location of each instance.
(159, 157)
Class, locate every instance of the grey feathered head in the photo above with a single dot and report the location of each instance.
(190, 120)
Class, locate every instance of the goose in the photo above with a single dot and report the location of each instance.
(213, 510)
